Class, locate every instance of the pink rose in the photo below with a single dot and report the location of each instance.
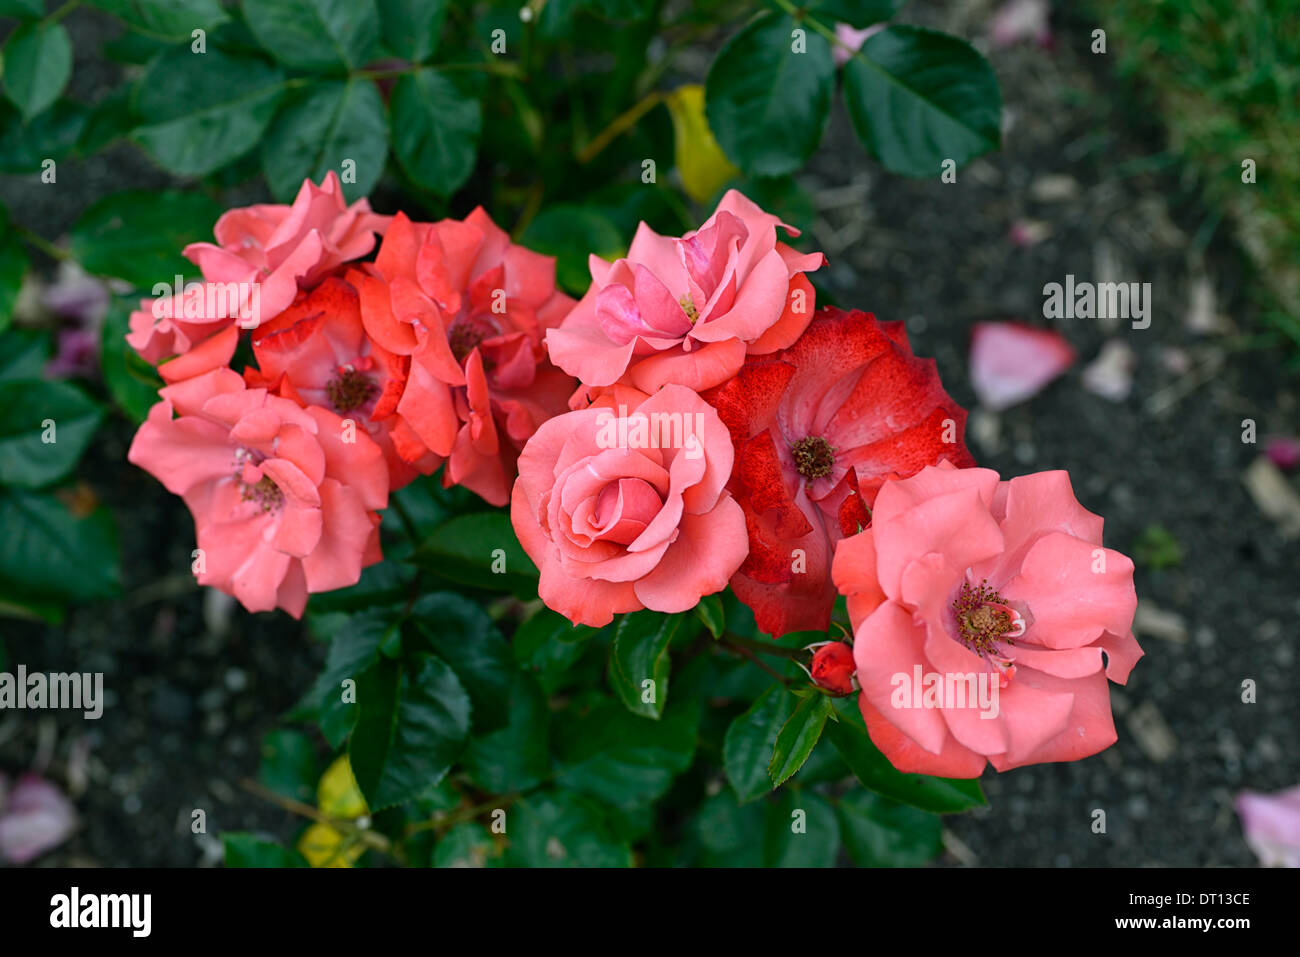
(688, 310)
(465, 310)
(284, 499)
(625, 508)
(279, 248)
(981, 612)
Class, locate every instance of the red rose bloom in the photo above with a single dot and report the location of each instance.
(817, 429)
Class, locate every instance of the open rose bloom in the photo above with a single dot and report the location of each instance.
(1002, 592)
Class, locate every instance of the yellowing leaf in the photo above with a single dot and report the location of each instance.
(337, 794)
(323, 846)
(700, 161)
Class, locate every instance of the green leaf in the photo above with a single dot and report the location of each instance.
(940, 795)
(461, 634)
(13, 267)
(205, 111)
(22, 9)
(624, 760)
(639, 655)
(728, 832)
(798, 736)
(355, 642)
(289, 765)
(563, 830)
(319, 130)
(26, 147)
(516, 757)
(766, 104)
(571, 234)
(44, 428)
(23, 354)
(548, 644)
(132, 382)
(801, 831)
(411, 727)
(480, 550)
(411, 28)
(435, 130)
(856, 13)
(882, 833)
(138, 235)
(37, 63)
(751, 739)
(249, 850)
(711, 612)
(49, 555)
(918, 98)
(166, 19)
(317, 35)
(467, 845)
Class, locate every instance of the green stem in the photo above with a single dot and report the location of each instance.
(620, 125)
(41, 243)
(766, 647)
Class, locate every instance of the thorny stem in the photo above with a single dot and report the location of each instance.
(757, 644)
(745, 653)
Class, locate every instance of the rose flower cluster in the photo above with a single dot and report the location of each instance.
(693, 423)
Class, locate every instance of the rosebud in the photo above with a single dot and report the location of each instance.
(832, 668)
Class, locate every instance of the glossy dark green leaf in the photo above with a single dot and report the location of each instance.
(44, 428)
(333, 125)
(138, 235)
(411, 28)
(435, 130)
(249, 850)
(751, 740)
(801, 831)
(638, 661)
(559, 829)
(766, 103)
(51, 555)
(23, 354)
(516, 757)
(467, 845)
(203, 111)
(316, 35)
(918, 98)
(857, 13)
(879, 832)
(712, 614)
(13, 267)
(621, 759)
(22, 9)
(166, 19)
(37, 61)
(480, 550)
(289, 765)
(572, 234)
(460, 633)
(34, 147)
(940, 795)
(548, 644)
(355, 643)
(797, 737)
(132, 382)
(411, 726)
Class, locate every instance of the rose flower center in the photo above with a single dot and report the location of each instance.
(350, 390)
(253, 486)
(466, 334)
(985, 621)
(813, 457)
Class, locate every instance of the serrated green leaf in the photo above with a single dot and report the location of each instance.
(465, 550)
(801, 831)
(44, 428)
(561, 829)
(249, 850)
(712, 614)
(411, 28)
(435, 130)
(138, 235)
(766, 103)
(411, 726)
(288, 764)
(639, 655)
(37, 64)
(52, 556)
(166, 19)
(461, 634)
(355, 642)
(467, 845)
(319, 130)
(317, 35)
(516, 757)
(918, 98)
(751, 740)
(798, 737)
(879, 832)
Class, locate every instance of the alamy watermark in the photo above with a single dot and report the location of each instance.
(922, 689)
(1102, 300)
(199, 301)
(78, 691)
(652, 430)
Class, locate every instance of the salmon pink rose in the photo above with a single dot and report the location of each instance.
(982, 611)
(624, 508)
(280, 249)
(465, 310)
(688, 310)
(817, 428)
(284, 501)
